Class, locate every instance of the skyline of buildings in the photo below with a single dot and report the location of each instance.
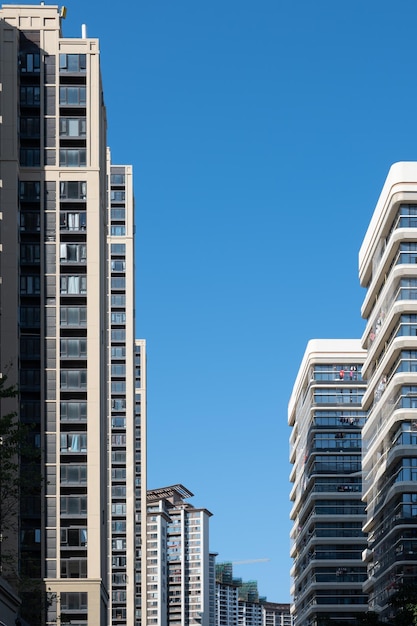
(67, 334)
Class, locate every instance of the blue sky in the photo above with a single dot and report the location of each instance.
(260, 135)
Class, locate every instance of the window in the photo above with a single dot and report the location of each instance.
(118, 266)
(73, 568)
(73, 252)
(118, 369)
(72, 221)
(73, 443)
(73, 316)
(73, 411)
(118, 440)
(74, 601)
(73, 96)
(72, 285)
(30, 95)
(118, 473)
(118, 404)
(118, 509)
(408, 253)
(30, 126)
(74, 348)
(118, 249)
(119, 561)
(30, 285)
(118, 282)
(118, 422)
(30, 157)
(117, 196)
(30, 378)
(73, 474)
(118, 386)
(73, 190)
(73, 505)
(30, 537)
(118, 352)
(118, 299)
(118, 215)
(29, 191)
(30, 316)
(29, 62)
(72, 157)
(73, 379)
(117, 179)
(72, 127)
(72, 63)
(118, 456)
(118, 334)
(29, 347)
(30, 222)
(118, 231)
(30, 253)
(118, 317)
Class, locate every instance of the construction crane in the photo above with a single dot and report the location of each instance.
(250, 561)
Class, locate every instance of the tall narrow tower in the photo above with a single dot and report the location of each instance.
(67, 332)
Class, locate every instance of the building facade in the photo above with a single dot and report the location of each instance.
(180, 567)
(275, 614)
(388, 271)
(326, 417)
(67, 332)
(227, 595)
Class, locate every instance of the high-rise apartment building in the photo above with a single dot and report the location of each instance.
(227, 595)
(180, 567)
(275, 614)
(250, 611)
(67, 325)
(326, 417)
(388, 270)
(238, 603)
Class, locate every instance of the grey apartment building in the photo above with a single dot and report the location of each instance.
(67, 327)
(326, 418)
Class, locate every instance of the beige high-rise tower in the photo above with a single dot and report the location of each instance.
(67, 325)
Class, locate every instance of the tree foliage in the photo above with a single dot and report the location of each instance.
(404, 603)
(19, 466)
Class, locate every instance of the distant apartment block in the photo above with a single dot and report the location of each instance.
(180, 567)
(275, 614)
(238, 602)
(326, 417)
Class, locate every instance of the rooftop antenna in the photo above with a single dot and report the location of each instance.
(84, 31)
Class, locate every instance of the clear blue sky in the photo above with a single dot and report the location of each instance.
(260, 134)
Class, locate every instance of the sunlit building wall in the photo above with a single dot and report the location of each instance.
(180, 567)
(67, 331)
(388, 271)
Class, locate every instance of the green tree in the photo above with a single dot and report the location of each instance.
(19, 478)
(404, 603)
